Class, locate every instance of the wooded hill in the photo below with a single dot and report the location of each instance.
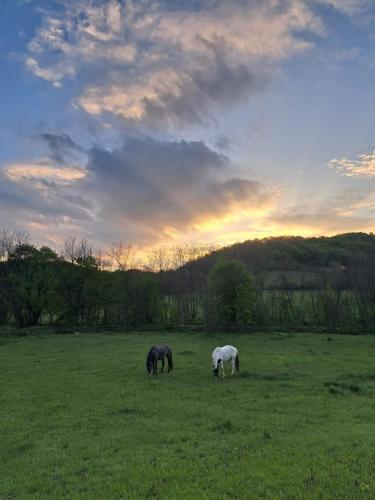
(294, 261)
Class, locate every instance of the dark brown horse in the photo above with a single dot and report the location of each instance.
(156, 353)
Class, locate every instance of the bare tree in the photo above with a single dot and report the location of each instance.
(77, 249)
(188, 282)
(123, 255)
(158, 260)
(9, 240)
(103, 261)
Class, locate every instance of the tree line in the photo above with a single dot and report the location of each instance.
(274, 282)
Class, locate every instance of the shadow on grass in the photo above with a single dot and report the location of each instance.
(367, 376)
(223, 427)
(340, 388)
(24, 448)
(136, 412)
(282, 336)
(265, 376)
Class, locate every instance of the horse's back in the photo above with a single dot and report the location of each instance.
(163, 350)
(165, 347)
(230, 348)
(229, 352)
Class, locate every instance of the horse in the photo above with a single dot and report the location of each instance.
(226, 353)
(156, 353)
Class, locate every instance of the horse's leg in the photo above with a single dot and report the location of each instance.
(222, 369)
(162, 364)
(233, 365)
(155, 367)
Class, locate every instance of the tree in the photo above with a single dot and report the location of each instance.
(143, 299)
(122, 255)
(78, 249)
(29, 282)
(132, 299)
(230, 294)
(9, 240)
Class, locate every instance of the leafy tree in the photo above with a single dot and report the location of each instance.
(29, 282)
(231, 293)
(79, 291)
(144, 299)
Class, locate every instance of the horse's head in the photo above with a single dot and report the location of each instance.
(215, 366)
(150, 359)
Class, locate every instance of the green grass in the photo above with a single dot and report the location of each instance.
(81, 419)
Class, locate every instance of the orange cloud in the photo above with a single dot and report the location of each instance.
(363, 166)
(21, 171)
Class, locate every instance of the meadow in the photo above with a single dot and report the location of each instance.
(80, 418)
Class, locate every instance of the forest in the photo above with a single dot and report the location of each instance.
(311, 284)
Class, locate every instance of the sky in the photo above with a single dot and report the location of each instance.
(163, 122)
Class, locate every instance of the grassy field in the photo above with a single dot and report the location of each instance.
(81, 419)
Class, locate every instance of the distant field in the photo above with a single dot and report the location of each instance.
(81, 419)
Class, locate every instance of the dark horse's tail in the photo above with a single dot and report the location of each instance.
(237, 361)
(170, 359)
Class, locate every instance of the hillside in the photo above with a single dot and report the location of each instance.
(298, 253)
(294, 261)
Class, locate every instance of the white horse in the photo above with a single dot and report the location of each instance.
(226, 353)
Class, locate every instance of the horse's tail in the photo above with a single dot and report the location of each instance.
(170, 360)
(237, 361)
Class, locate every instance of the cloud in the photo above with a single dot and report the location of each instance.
(44, 193)
(60, 146)
(154, 186)
(352, 210)
(349, 7)
(363, 166)
(168, 63)
(62, 164)
(24, 198)
(19, 172)
(152, 192)
(146, 191)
